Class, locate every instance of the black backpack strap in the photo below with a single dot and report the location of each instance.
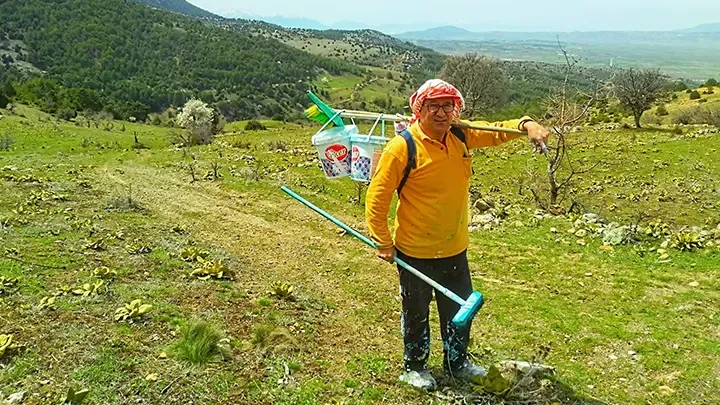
(461, 136)
(411, 158)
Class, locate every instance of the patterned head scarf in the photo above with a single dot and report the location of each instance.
(436, 88)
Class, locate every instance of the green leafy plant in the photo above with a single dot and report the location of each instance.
(75, 397)
(199, 344)
(88, 289)
(192, 254)
(47, 302)
(207, 269)
(7, 284)
(138, 247)
(132, 311)
(5, 344)
(104, 272)
(95, 244)
(180, 229)
(282, 290)
(81, 224)
(119, 235)
(493, 383)
(686, 241)
(657, 229)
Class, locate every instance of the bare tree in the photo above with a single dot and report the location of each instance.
(637, 89)
(567, 107)
(480, 79)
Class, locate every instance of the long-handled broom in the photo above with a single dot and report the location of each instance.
(468, 308)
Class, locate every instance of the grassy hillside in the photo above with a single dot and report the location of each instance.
(130, 60)
(179, 6)
(624, 324)
(363, 47)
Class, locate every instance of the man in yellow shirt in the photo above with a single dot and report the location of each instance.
(431, 224)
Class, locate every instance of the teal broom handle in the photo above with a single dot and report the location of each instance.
(372, 244)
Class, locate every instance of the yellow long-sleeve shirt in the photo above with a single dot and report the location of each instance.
(432, 213)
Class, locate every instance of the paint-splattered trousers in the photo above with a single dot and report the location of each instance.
(452, 273)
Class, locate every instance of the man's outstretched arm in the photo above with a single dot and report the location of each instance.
(477, 138)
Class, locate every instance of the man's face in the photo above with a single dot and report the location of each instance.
(436, 114)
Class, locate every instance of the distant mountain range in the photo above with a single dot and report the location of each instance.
(415, 31)
(715, 27)
(453, 33)
(311, 24)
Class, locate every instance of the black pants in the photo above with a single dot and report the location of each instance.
(452, 273)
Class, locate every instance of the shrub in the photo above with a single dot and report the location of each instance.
(694, 95)
(277, 145)
(66, 114)
(661, 111)
(711, 82)
(702, 100)
(697, 115)
(651, 119)
(254, 125)
(6, 141)
(684, 116)
(240, 144)
(197, 118)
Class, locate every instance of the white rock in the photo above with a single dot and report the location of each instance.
(591, 218)
(483, 219)
(15, 398)
(528, 368)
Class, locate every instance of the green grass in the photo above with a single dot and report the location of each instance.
(199, 343)
(339, 339)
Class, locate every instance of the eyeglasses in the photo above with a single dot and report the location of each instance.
(434, 108)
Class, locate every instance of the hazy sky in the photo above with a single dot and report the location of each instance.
(517, 15)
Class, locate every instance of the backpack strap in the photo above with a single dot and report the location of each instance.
(411, 158)
(459, 134)
(405, 133)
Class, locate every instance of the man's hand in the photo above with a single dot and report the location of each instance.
(387, 254)
(536, 132)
